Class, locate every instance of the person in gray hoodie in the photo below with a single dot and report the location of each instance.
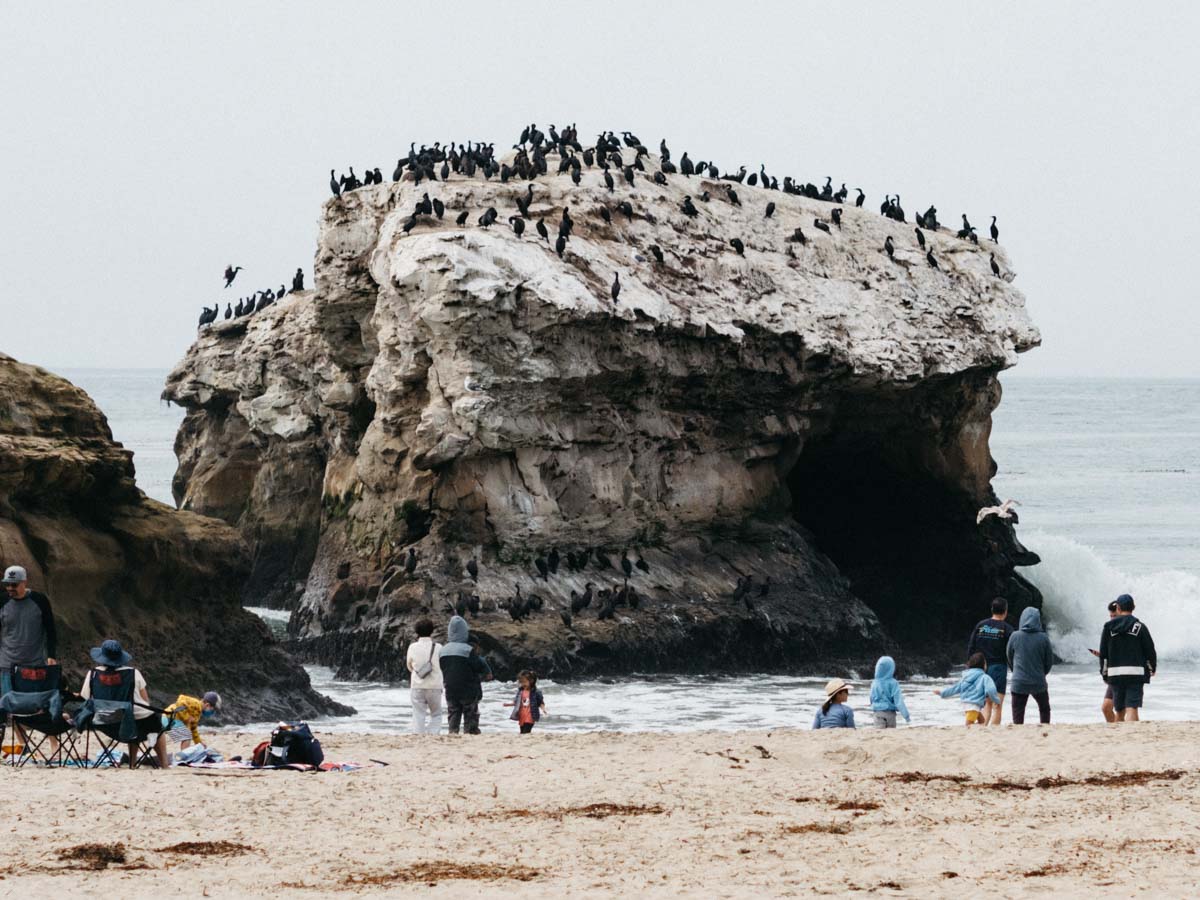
(1031, 658)
(462, 671)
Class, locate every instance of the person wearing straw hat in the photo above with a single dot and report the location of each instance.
(835, 712)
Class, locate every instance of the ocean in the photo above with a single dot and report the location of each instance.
(1107, 475)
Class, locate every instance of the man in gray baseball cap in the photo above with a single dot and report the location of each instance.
(28, 636)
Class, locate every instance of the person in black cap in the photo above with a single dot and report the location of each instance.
(28, 636)
(1127, 659)
(1106, 708)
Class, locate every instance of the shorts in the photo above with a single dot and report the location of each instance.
(1127, 692)
(1108, 693)
(998, 672)
(884, 718)
(974, 716)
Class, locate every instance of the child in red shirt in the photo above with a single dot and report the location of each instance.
(528, 704)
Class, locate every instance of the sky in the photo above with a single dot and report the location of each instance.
(145, 146)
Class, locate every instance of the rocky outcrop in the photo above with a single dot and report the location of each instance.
(117, 564)
(814, 415)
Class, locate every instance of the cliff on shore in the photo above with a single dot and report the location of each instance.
(814, 416)
(118, 564)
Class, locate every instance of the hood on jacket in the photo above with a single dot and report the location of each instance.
(972, 677)
(885, 667)
(1121, 624)
(457, 631)
(1031, 619)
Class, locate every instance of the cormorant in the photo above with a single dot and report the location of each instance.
(733, 197)
(817, 223)
(663, 151)
(738, 246)
(840, 195)
(552, 560)
(889, 247)
(660, 178)
(752, 180)
(770, 210)
(606, 215)
(560, 245)
(576, 177)
(541, 230)
(860, 198)
(461, 218)
(995, 268)
(932, 262)
(827, 190)
(410, 564)
(995, 231)
(656, 252)
(608, 180)
(626, 564)
(333, 184)
(616, 286)
(565, 616)
(229, 307)
(798, 236)
(488, 217)
(424, 207)
(836, 215)
(689, 208)
(685, 165)
(412, 223)
(518, 225)
(439, 208)
(378, 176)
(626, 208)
(237, 310)
(921, 238)
(231, 273)
(298, 281)
(629, 175)
(473, 569)
(543, 568)
(282, 291)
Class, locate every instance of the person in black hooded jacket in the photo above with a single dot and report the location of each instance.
(463, 670)
(1127, 659)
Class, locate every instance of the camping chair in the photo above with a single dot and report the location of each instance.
(34, 711)
(107, 715)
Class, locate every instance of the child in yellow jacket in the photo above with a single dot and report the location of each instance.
(189, 711)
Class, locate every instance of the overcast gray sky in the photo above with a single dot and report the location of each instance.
(144, 146)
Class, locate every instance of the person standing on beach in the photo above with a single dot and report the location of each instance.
(1031, 658)
(425, 680)
(463, 670)
(1106, 707)
(528, 705)
(886, 697)
(1127, 659)
(28, 636)
(990, 637)
(975, 688)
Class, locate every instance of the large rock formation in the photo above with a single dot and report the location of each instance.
(815, 414)
(117, 564)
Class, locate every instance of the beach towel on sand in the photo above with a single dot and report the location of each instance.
(242, 765)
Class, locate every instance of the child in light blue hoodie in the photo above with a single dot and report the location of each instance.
(886, 697)
(975, 688)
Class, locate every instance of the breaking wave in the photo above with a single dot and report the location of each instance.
(1078, 585)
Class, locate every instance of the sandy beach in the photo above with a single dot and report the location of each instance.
(1106, 811)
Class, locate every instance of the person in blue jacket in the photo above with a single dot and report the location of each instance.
(835, 712)
(975, 688)
(886, 697)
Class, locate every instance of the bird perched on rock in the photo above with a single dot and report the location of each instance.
(836, 215)
(608, 180)
(565, 616)
(641, 564)
(921, 238)
(461, 218)
(334, 185)
(410, 564)
(889, 247)
(656, 252)
(995, 231)
(543, 568)
(560, 245)
(489, 217)
(602, 560)
(933, 263)
(606, 215)
(817, 223)
(733, 197)
(552, 560)
(626, 209)
(798, 236)
(439, 208)
(858, 201)
(616, 286)
(738, 246)
(770, 210)
(473, 569)
(518, 225)
(626, 563)
(689, 208)
(543, 231)
(231, 273)
(991, 256)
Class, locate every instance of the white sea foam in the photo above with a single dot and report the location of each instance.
(1078, 585)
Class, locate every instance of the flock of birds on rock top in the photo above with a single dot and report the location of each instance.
(606, 599)
(610, 154)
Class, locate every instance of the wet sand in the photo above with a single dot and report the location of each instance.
(1067, 810)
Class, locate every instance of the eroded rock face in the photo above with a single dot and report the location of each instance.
(117, 564)
(816, 414)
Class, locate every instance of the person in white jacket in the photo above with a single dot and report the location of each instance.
(425, 680)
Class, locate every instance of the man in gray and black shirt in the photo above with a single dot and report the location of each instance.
(27, 633)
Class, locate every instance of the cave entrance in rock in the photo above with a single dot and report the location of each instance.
(879, 492)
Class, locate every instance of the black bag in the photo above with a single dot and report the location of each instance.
(294, 743)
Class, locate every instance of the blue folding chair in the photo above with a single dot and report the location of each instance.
(108, 716)
(34, 714)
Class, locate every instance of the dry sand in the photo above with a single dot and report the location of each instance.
(744, 814)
